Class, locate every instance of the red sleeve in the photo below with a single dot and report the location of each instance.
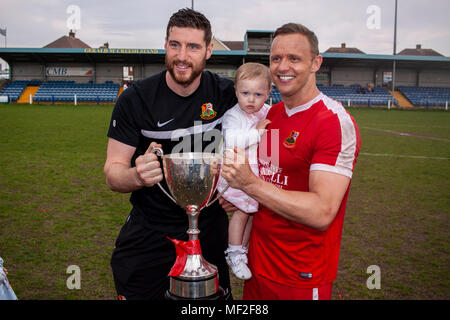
(337, 144)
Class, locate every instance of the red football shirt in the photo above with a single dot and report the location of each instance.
(319, 135)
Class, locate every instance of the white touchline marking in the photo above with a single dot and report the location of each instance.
(406, 134)
(401, 156)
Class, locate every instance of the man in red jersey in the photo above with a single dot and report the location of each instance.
(303, 181)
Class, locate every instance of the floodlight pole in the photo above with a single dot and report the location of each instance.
(192, 4)
(395, 49)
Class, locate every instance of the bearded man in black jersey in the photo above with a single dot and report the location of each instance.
(150, 113)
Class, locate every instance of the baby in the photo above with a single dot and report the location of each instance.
(243, 126)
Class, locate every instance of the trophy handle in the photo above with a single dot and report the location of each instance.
(160, 153)
(224, 190)
(218, 196)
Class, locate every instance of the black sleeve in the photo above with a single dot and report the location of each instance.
(228, 93)
(123, 126)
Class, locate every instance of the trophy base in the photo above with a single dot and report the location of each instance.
(219, 295)
(195, 287)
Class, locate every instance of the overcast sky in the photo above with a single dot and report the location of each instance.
(365, 24)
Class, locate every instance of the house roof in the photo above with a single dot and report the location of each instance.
(343, 49)
(219, 45)
(67, 42)
(419, 51)
(234, 45)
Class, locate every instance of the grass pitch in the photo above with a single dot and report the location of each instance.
(56, 210)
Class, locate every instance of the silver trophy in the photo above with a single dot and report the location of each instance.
(192, 180)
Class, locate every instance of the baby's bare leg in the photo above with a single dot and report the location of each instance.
(237, 228)
(248, 229)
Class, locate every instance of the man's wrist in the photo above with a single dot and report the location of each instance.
(253, 185)
(139, 182)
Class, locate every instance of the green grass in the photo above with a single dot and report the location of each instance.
(56, 211)
(398, 209)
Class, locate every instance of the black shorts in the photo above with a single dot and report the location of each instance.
(144, 256)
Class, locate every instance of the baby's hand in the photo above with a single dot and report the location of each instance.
(261, 126)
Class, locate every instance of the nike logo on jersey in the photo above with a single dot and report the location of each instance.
(164, 123)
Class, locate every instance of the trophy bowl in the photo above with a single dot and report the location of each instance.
(192, 180)
(191, 177)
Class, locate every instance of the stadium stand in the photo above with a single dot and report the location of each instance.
(14, 89)
(275, 96)
(426, 96)
(354, 95)
(379, 95)
(65, 91)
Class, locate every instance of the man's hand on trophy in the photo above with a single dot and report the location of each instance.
(236, 169)
(148, 169)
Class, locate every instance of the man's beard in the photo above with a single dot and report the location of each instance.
(195, 72)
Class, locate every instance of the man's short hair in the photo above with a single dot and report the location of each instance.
(253, 70)
(188, 18)
(290, 28)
